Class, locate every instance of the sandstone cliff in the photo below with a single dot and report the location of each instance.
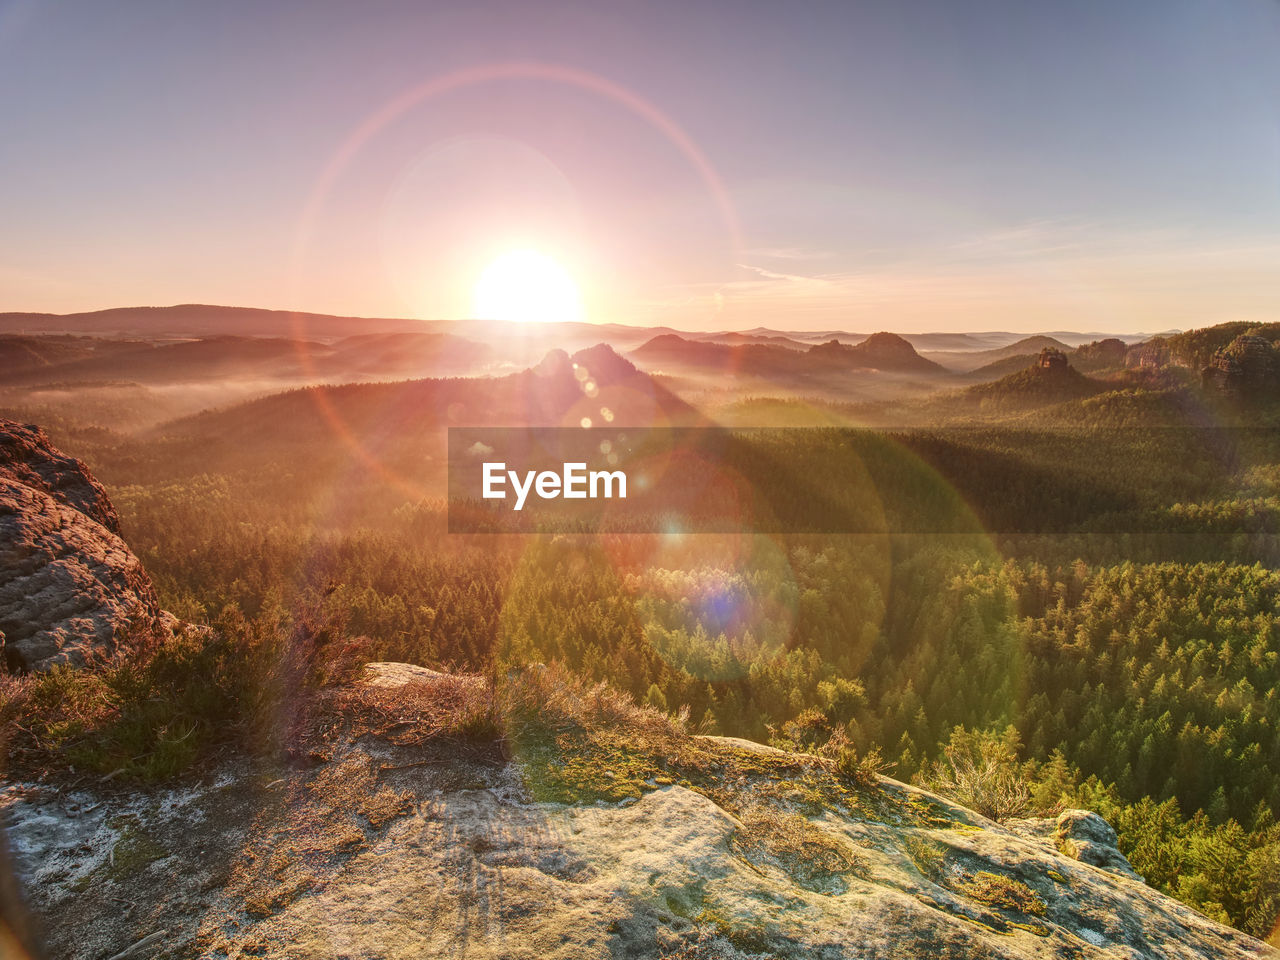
(69, 586)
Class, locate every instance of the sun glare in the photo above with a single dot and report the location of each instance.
(524, 286)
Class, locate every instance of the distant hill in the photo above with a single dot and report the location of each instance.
(880, 351)
(883, 352)
(403, 354)
(595, 386)
(206, 320)
(67, 360)
(1000, 368)
(1195, 348)
(521, 340)
(20, 354)
(1049, 379)
(198, 319)
(673, 351)
(735, 339)
(957, 341)
(971, 360)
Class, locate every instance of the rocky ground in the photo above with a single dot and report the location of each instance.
(383, 846)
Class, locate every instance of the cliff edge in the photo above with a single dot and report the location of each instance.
(70, 588)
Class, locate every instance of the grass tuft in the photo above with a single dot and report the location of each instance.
(812, 858)
(997, 890)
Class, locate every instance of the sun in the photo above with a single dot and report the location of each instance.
(525, 286)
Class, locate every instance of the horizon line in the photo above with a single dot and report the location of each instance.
(592, 323)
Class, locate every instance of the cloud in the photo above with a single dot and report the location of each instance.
(773, 275)
(1041, 275)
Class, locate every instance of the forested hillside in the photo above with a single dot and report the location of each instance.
(1073, 593)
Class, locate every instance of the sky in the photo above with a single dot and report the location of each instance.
(912, 165)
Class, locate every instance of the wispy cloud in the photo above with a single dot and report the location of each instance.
(1042, 275)
(764, 274)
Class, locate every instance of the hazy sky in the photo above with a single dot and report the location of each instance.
(907, 165)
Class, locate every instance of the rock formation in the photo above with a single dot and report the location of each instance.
(1081, 835)
(69, 586)
(1050, 379)
(26, 457)
(386, 845)
(1051, 358)
(1247, 367)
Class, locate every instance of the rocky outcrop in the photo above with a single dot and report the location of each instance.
(69, 586)
(1050, 379)
(1084, 835)
(27, 458)
(1081, 835)
(1051, 358)
(386, 846)
(1246, 368)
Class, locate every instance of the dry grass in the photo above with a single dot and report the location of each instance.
(709, 946)
(157, 708)
(982, 772)
(928, 856)
(789, 841)
(314, 825)
(541, 699)
(997, 890)
(447, 707)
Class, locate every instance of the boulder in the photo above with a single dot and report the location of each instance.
(1079, 834)
(70, 589)
(1085, 836)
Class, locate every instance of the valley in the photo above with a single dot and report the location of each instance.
(1064, 576)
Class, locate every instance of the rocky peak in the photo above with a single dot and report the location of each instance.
(69, 586)
(832, 346)
(1081, 835)
(1052, 358)
(603, 365)
(880, 351)
(889, 344)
